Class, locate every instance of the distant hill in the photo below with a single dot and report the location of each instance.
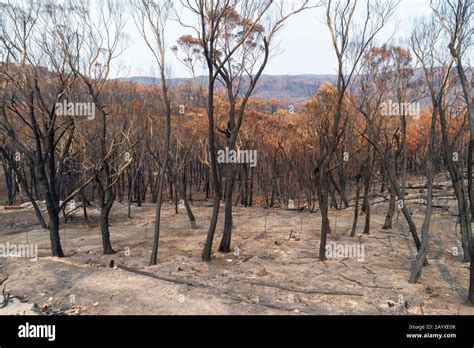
(295, 88)
(290, 87)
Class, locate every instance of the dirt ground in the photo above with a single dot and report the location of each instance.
(273, 270)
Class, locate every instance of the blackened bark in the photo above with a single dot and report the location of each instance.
(356, 205)
(206, 253)
(471, 275)
(104, 230)
(181, 193)
(421, 255)
(106, 202)
(224, 246)
(469, 177)
(458, 186)
(53, 214)
(8, 173)
(323, 206)
(54, 237)
(84, 205)
(366, 205)
(250, 196)
(391, 210)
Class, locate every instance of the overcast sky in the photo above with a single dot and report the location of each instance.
(304, 44)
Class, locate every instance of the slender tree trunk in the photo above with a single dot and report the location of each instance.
(224, 246)
(367, 176)
(332, 194)
(191, 217)
(469, 177)
(458, 186)
(53, 214)
(84, 205)
(404, 155)
(421, 256)
(470, 111)
(391, 210)
(106, 201)
(471, 274)
(54, 237)
(323, 205)
(8, 172)
(356, 206)
(159, 203)
(104, 227)
(206, 253)
(250, 198)
(181, 188)
(156, 238)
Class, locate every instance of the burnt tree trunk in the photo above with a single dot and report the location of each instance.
(391, 210)
(470, 187)
(206, 253)
(8, 173)
(106, 202)
(356, 205)
(323, 205)
(421, 256)
(104, 229)
(224, 246)
(458, 186)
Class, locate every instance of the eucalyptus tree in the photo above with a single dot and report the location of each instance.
(232, 40)
(350, 42)
(151, 18)
(436, 69)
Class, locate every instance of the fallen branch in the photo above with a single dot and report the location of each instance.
(365, 285)
(421, 187)
(369, 270)
(412, 197)
(445, 208)
(225, 293)
(7, 297)
(300, 290)
(75, 192)
(166, 279)
(13, 207)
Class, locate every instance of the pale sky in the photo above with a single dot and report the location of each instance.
(304, 44)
